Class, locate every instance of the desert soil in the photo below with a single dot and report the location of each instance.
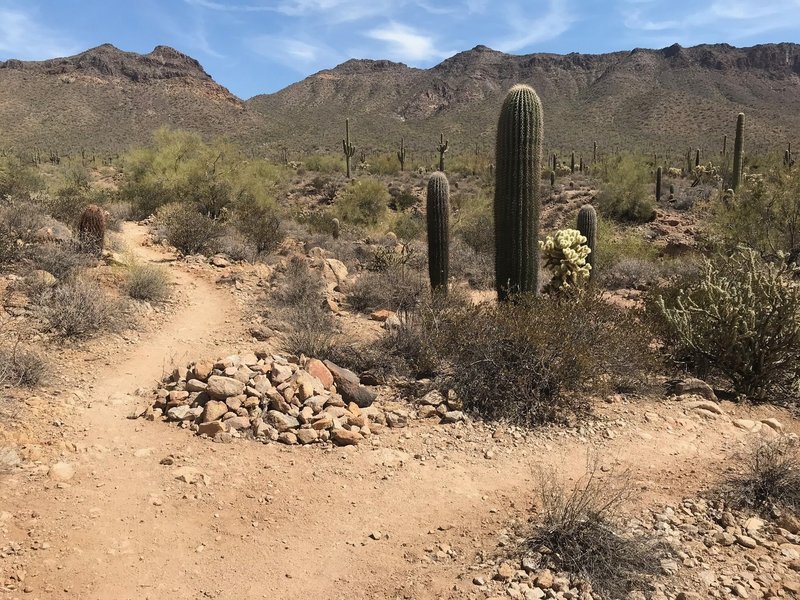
(273, 521)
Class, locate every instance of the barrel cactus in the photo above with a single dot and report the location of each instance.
(517, 198)
(92, 229)
(565, 256)
(438, 215)
(336, 228)
(587, 226)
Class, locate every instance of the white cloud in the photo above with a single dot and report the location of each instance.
(299, 55)
(21, 36)
(527, 30)
(729, 19)
(406, 44)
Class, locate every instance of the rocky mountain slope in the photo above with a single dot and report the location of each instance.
(665, 99)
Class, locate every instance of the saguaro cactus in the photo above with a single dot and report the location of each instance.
(738, 152)
(349, 149)
(697, 157)
(438, 215)
(441, 148)
(658, 184)
(401, 155)
(552, 179)
(594, 152)
(587, 225)
(517, 199)
(572, 162)
(724, 144)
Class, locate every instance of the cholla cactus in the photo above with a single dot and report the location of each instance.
(565, 256)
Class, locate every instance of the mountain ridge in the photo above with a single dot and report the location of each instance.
(645, 98)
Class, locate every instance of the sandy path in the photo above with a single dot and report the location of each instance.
(277, 522)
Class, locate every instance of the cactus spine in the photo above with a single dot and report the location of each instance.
(517, 198)
(658, 184)
(738, 152)
(438, 211)
(587, 225)
(442, 148)
(401, 155)
(349, 149)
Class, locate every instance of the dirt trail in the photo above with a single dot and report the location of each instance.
(268, 521)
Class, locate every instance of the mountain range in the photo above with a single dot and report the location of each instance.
(670, 99)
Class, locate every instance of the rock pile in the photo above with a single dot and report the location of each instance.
(272, 398)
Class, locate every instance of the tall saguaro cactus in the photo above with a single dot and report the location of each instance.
(349, 149)
(517, 199)
(438, 216)
(401, 155)
(738, 152)
(594, 152)
(441, 148)
(587, 225)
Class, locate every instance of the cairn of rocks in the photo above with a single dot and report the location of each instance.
(287, 400)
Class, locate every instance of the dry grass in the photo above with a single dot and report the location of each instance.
(147, 282)
(578, 531)
(80, 308)
(766, 476)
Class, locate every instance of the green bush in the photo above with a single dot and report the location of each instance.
(189, 231)
(257, 220)
(147, 282)
(364, 202)
(627, 193)
(324, 163)
(473, 223)
(763, 214)
(532, 361)
(17, 179)
(740, 319)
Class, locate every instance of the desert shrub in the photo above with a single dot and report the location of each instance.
(766, 477)
(393, 289)
(404, 199)
(408, 226)
(364, 202)
(80, 308)
(740, 319)
(580, 525)
(257, 220)
(531, 361)
(17, 179)
(473, 223)
(10, 251)
(62, 260)
(300, 298)
(631, 273)
(23, 219)
(626, 194)
(67, 203)
(477, 269)
(615, 244)
(145, 197)
(118, 212)
(764, 214)
(188, 230)
(147, 282)
(385, 163)
(324, 163)
(21, 366)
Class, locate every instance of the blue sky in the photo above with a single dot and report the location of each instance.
(256, 46)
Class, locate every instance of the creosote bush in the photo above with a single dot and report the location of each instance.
(580, 526)
(741, 320)
(363, 202)
(626, 194)
(147, 282)
(532, 361)
(21, 366)
(188, 230)
(62, 260)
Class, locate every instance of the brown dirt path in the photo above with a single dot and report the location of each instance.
(268, 521)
